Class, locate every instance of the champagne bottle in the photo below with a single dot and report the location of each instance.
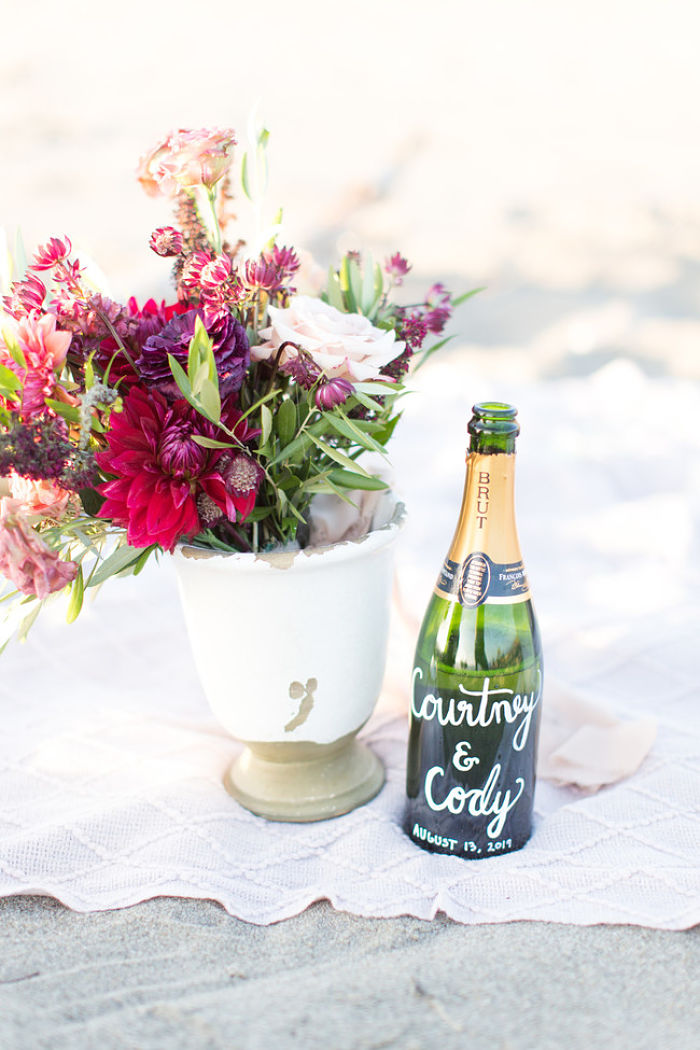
(477, 676)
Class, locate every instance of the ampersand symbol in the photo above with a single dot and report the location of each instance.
(461, 759)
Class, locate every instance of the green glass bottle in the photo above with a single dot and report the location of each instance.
(477, 675)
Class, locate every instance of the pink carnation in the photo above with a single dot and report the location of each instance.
(186, 159)
(25, 559)
(43, 497)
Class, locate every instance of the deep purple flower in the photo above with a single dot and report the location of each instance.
(231, 350)
(397, 267)
(333, 392)
(166, 241)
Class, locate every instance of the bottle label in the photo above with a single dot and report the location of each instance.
(471, 766)
(479, 579)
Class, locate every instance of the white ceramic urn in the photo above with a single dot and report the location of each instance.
(291, 649)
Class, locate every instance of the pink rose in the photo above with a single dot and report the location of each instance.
(186, 159)
(25, 559)
(38, 497)
(342, 345)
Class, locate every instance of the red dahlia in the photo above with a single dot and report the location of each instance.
(160, 471)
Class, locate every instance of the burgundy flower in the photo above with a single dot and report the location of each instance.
(333, 392)
(166, 241)
(161, 476)
(215, 272)
(287, 260)
(438, 308)
(413, 329)
(242, 477)
(231, 350)
(397, 267)
(301, 366)
(192, 269)
(262, 273)
(56, 250)
(158, 469)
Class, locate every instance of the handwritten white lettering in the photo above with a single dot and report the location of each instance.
(479, 802)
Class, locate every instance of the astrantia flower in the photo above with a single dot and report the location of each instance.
(333, 392)
(215, 272)
(397, 267)
(438, 308)
(25, 559)
(242, 477)
(413, 329)
(56, 250)
(231, 350)
(300, 366)
(166, 241)
(263, 274)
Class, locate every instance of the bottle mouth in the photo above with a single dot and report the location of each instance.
(493, 417)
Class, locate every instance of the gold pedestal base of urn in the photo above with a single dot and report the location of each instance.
(302, 782)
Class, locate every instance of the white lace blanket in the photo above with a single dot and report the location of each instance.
(111, 764)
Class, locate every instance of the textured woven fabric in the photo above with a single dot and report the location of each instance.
(111, 764)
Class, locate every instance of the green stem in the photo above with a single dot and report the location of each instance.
(211, 194)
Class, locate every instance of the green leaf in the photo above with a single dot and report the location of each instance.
(367, 293)
(376, 387)
(286, 421)
(338, 457)
(68, 412)
(118, 560)
(210, 399)
(367, 402)
(259, 514)
(205, 442)
(467, 295)
(28, 621)
(91, 501)
(76, 597)
(348, 429)
(386, 431)
(346, 284)
(334, 293)
(378, 282)
(200, 354)
(323, 483)
(430, 351)
(299, 445)
(14, 349)
(9, 382)
(141, 562)
(244, 177)
(89, 372)
(350, 480)
(265, 424)
(180, 377)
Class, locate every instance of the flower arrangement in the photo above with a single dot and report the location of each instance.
(214, 418)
